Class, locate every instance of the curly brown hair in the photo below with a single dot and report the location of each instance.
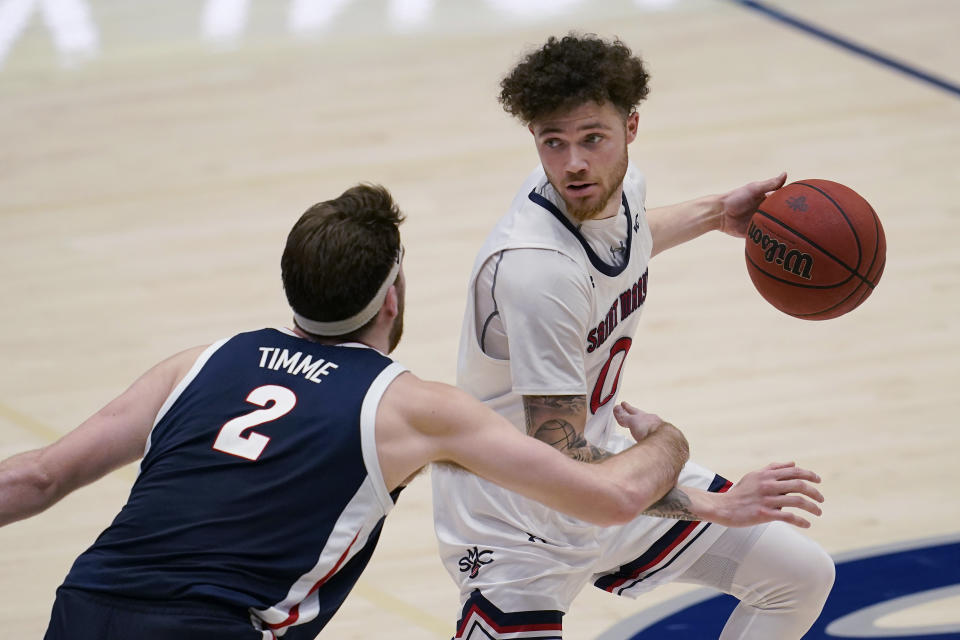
(568, 72)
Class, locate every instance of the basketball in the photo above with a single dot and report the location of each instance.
(815, 249)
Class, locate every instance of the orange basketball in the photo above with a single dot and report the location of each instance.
(815, 249)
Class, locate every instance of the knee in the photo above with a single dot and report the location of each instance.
(816, 574)
(806, 576)
(785, 569)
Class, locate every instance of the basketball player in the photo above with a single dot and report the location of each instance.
(553, 303)
(270, 459)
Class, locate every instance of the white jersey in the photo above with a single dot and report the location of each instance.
(502, 540)
(580, 347)
(616, 295)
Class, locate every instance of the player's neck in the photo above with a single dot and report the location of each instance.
(369, 338)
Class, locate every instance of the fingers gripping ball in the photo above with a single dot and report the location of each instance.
(815, 249)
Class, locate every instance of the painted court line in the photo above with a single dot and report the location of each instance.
(849, 45)
(35, 427)
(387, 602)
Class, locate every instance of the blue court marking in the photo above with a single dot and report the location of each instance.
(876, 56)
(873, 581)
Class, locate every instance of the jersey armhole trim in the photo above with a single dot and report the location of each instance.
(179, 389)
(472, 295)
(368, 431)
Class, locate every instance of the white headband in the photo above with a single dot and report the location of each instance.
(360, 318)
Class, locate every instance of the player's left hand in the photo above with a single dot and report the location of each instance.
(640, 423)
(740, 204)
(762, 496)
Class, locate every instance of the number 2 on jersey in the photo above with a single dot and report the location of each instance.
(231, 439)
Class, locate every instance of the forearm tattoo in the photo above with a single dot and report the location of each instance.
(549, 420)
(675, 505)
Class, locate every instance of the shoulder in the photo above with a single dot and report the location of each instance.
(544, 267)
(541, 288)
(540, 281)
(177, 366)
(422, 404)
(407, 391)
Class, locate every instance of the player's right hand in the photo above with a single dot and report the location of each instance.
(640, 423)
(763, 496)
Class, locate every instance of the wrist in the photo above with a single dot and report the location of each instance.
(705, 505)
(710, 215)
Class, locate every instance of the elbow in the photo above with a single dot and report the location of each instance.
(30, 489)
(675, 454)
(36, 478)
(40, 490)
(616, 515)
(609, 506)
(44, 484)
(641, 498)
(624, 506)
(681, 448)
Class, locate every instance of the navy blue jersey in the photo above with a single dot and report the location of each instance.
(260, 487)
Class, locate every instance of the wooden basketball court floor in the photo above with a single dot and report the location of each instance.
(153, 159)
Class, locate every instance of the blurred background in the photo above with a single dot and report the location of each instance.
(153, 156)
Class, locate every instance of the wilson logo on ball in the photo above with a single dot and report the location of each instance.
(815, 221)
(775, 252)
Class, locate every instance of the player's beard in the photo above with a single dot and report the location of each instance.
(586, 209)
(396, 331)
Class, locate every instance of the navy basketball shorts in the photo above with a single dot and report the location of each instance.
(82, 615)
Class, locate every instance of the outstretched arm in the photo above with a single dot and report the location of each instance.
(116, 435)
(760, 496)
(729, 212)
(420, 422)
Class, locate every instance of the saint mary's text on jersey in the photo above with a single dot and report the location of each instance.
(296, 363)
(627, 302)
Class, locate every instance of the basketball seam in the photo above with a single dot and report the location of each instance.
(843, 213)
(876, 249)
(849, 296)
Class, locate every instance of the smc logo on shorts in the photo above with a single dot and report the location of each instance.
(871, 584)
